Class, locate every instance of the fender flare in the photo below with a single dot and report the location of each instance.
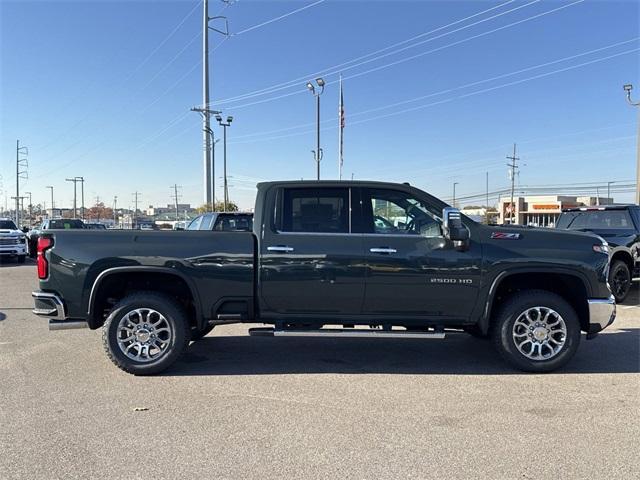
(485, 319)
(135, 269)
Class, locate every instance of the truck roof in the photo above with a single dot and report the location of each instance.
(326, 183)
(595, 208)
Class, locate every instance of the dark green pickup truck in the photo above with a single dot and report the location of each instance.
(336, 259)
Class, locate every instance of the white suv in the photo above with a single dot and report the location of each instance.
(13, 243)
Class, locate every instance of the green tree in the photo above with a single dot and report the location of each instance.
(218, 207)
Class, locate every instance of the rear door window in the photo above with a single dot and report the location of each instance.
(315, 210)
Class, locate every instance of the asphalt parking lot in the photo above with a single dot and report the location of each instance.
(245, 407)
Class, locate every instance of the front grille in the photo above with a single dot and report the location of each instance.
(10, 241)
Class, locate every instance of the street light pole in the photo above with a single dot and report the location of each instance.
(224, 126)
(52, 206)
(30, 208)
(75, 181)
(627, 88)
(317, 153)
(454, 195)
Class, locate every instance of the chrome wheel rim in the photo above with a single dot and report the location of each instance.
(144, 335)
(539, 333)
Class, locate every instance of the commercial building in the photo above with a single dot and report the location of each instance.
(542, 210)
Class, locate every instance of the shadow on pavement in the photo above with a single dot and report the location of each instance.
(458, 354)
(12, 262)
(2, 316)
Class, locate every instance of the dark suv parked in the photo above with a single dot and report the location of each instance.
(51, 224)
(619, 225)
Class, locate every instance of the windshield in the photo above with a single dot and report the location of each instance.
(7, 225)
(595, 220)
(65, 224)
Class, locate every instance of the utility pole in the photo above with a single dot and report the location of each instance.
(52, 206)
(454, 194)
(115, 202)
(204, 110)
(317, 153)
(487, 202)
(21, 163)
(30, 208)
(75, 194)
(176, 197)
(224, 126)
(627, 88)
(135, 210)
(514, 168)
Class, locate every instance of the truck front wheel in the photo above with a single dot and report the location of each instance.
(536, 331)
(619, 280)
(145, 333)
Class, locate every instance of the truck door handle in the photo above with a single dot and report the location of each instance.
(280, 248)
(385, 250)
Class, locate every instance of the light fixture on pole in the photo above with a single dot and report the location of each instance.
(317, 153)
(224, 126)
(627, 88)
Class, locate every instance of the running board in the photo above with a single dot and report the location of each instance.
(343, 333)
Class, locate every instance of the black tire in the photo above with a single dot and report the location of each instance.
(619, 280)
(503, 330)
(21, 258)
(175, 317)
(198, 334)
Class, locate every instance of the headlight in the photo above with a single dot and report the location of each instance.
(601, 248)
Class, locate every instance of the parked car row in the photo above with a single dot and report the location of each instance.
(619, 225)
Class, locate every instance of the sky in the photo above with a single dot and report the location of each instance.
(435, 92)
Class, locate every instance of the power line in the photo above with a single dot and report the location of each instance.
(259, 25)
(412, 57)
(450, 99)
(449, 90)
(342, 66)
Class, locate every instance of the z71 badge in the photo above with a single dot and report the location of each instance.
(504, 236)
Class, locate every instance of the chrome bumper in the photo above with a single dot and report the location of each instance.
(602, 313)
(48, 305)
(51, 305)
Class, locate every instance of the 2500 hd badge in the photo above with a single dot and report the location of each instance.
(456, 281)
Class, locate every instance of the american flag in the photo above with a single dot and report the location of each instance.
(340, 131)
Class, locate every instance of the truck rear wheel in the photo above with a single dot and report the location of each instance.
(145, 333)
(619, 280)
(536, 331)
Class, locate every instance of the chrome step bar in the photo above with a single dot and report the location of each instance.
(344, 333)
(66, 324)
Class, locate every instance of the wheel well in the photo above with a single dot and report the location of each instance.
(569, 287)
(624, 257)
(116, 286)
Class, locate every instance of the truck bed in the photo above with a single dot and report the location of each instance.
(218, 266)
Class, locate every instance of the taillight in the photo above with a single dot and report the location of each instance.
(43, 266)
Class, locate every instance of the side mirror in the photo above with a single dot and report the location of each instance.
(452, 225)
